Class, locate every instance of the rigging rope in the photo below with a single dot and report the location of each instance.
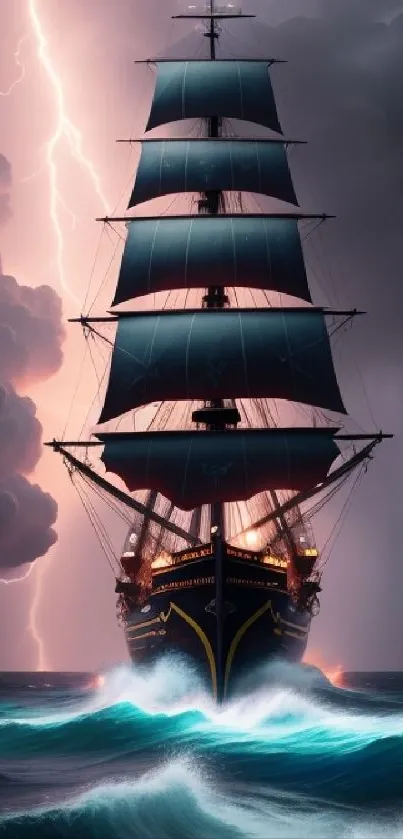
(91, 338)
(105, 278)
(94, 399)
(112, 503)
(340, 520)
(99, 523)
(79, 377)
(88, 511)
(97, 252)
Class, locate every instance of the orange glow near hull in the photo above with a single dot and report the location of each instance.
(333, 673)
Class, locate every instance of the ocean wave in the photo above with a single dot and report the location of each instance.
(292, 749)
(179, 801)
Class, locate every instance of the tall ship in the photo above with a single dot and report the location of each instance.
(223, 430)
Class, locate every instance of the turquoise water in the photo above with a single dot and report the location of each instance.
(148, 755)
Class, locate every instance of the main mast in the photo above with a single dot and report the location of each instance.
(216, 298)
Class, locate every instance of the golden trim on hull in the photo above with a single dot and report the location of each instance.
(239, 635)
(152, 634)
(304, 629)
(203, 638)
(294, 635)
(134, 627)
(163, 618)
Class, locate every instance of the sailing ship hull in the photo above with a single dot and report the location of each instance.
(255, 622)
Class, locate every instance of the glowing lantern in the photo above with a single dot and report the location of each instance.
(252, 538)
(163, 560)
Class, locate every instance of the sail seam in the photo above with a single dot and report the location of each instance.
(189, 236)
(244, 360)
(229, 146)
(152, 254)
(234, 251)
(259, 168)
(187, 353)
(161, 159)
(184, 76)
(150, 355)
(238, 69)
(186, 166)
(269, 263)
(290, 356)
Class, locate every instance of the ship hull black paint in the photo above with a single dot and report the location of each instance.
(260, 620)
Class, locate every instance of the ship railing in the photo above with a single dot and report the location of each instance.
(165, 560)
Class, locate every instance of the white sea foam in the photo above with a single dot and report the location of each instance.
(284, 712)
(178, 800)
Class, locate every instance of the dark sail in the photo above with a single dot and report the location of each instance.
(221, 354)
(180, 252)
(193, 89)
(192, 468)
(170, 166)
(234, 582)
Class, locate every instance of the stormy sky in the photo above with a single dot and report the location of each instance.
(31, 335)
(340, 90)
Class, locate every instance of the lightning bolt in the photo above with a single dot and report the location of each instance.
(33, 618)
(65, 130)
(12, 580)
(41, 662)
(20, 65)
(33, 627)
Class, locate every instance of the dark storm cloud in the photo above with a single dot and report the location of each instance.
(31, 331)
(31, 335)
(373, 10)
(5, 186)
(26, 512)
(20, 434)
(30, 348)
(26, 518)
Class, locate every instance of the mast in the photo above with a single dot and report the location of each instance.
(216, 298)
(212, 35)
